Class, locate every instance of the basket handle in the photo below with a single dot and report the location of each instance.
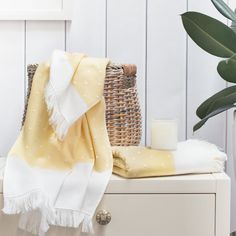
(129, 69)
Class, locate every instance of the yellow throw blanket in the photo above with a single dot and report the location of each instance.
(191, 156)
(134, 161)
(59, 167)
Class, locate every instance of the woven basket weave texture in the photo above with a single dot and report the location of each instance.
(123, 115)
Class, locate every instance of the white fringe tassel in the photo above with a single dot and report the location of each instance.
(87, 226)
(56, 119)
(70, 218)
(33, 222)
(35, 209)
(28, 202)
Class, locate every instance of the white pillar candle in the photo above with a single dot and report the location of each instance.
(164, 134)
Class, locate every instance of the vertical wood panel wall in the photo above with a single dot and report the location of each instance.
(12, 57)
(166, 64)
(174, 75)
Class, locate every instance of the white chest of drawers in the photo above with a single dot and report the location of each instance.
(190, 205)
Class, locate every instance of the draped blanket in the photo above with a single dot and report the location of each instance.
(58, 169)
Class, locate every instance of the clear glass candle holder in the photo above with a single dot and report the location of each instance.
(164, 134)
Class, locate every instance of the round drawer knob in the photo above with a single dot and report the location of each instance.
(103, 217)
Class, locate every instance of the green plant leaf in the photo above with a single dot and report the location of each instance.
(227, 69)
(210, 34)
(233, 26)
(205, 108)
(214, 113)
(227, 100)
(224, 9)
(219, 105)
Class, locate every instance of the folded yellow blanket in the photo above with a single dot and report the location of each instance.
(141, 162)
(191, 156)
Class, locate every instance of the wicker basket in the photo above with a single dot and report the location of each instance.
(123, 116)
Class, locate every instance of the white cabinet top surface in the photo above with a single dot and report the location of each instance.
(201, 183)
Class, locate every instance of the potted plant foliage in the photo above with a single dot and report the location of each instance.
(219, 40)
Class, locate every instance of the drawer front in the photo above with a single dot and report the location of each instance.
(143, 214)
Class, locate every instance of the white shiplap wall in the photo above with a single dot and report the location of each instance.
(166, 64)
(174, 75)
